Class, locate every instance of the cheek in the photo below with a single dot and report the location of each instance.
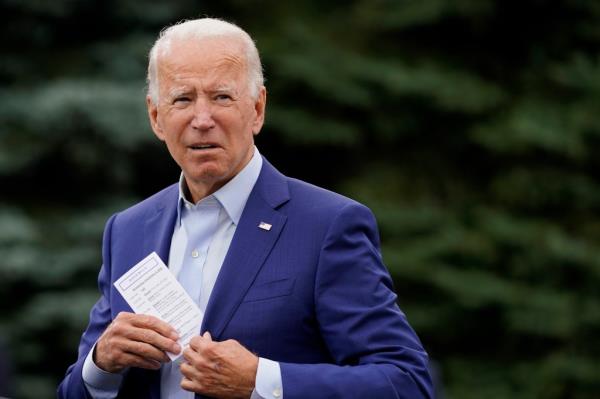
(174, 118)
(174, 129)
(174, 144)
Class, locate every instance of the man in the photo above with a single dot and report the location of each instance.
(296, 300)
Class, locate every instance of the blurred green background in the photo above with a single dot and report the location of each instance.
(470, 127)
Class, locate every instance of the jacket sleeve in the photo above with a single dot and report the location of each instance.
(376, 352)
(73, 385)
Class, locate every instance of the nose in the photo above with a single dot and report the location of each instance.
(202, 119)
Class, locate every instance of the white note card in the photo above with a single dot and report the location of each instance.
(150, 288)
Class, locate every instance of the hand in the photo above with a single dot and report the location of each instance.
(218, 369)
(135, 340)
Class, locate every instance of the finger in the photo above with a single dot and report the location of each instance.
(194, 375)
(190, 385)
(147, 322)
(201, 364)
(144, 328)
(151, 337)
(117, 360)
(124, 360)
(155, 324)
(193, 357)
(201, 343)
(142, 349)
(196, 343)
(189, 371)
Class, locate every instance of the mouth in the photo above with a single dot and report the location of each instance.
(202, 147)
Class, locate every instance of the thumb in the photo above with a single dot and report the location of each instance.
(207, 336)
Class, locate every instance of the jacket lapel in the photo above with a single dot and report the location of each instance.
(249, 248)
(158, 229)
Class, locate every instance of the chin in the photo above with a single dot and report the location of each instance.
(208, 175)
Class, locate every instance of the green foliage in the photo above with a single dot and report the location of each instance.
(470, 127)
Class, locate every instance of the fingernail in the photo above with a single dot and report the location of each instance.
(174, 335)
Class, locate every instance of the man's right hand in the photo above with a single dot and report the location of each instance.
(135, 340)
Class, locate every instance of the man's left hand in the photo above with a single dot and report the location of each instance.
(218, 369)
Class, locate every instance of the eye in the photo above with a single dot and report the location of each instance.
(223, 98)
(181, 99)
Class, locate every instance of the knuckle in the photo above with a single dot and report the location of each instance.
(119, 324)
(152, 322)
(105, 343)
(230, 343)
(115, 327)
(194, 362)
(123, 315)
(118, 359)
(208, 354)
(146, 336)
(211, 350)
(140, 349)
(117, 330)
(187, 354)
(186, 369)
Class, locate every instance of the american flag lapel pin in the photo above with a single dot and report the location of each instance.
(265, 226)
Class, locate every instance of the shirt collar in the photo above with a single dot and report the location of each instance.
(233, 195)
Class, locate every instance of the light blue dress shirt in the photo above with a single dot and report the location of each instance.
(201, 238)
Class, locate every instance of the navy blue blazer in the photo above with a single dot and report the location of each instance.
(311, 293)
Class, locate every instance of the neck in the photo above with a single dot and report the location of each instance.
(197, 190)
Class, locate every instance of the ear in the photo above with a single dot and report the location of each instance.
(153, 116)
(259, 108)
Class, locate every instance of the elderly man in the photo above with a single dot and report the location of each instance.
(296, 300)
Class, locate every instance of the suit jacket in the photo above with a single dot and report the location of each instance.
(311, 293)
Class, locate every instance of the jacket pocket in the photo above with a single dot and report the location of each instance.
(271, 289)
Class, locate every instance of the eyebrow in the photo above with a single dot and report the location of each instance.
(176, 92)
(224, 87)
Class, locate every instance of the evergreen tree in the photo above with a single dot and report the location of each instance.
(468, 126)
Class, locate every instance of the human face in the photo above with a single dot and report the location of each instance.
(205, 113)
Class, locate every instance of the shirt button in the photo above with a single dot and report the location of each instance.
(195, 253)
(277, 392)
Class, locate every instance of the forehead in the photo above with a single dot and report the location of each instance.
(208, 58)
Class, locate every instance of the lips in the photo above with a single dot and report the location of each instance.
(202, 146)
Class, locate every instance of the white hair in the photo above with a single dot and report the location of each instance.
(199, 29)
